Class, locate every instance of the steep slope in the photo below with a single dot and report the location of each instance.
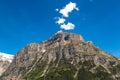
(65, 56)
(5, 60)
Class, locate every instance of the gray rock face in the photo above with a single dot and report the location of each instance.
(64, 36)
(62, 47)
(3, 66)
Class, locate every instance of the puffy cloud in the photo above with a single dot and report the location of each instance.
(68, 8)
(60, 21)
(67, 26)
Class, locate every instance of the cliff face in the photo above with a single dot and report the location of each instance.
(3, 66)
(64, 53)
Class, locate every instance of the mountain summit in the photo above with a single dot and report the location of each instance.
(64, 37)
(65, 56)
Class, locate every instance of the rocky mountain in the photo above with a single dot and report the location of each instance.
(5, 60)
(65, 56)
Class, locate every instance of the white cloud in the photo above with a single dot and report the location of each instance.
(65, 15)
(77, 8)
(61, 21)
(67, 26)
(68, 8)
(57, 9)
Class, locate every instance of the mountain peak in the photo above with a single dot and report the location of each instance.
(64, 52)
(66, 36)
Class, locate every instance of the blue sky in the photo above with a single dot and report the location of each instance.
(26, 21)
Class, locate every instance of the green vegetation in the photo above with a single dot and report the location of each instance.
(35, 73)
(85, 74)
(115, 69)
(61, 73)
(102, 74)
(67, 72)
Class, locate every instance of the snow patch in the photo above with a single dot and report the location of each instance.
(6, 57)
(60, 32)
